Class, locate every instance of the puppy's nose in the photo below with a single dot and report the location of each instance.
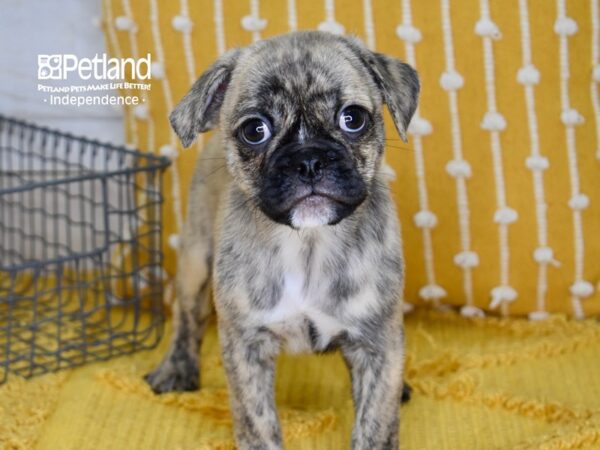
(310, 169)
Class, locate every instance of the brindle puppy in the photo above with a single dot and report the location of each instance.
(299, 233)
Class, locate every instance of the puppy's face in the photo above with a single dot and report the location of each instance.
(301, 120)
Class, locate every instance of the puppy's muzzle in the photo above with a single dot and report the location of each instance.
(315, 183)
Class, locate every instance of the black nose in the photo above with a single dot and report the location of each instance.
(310, 169)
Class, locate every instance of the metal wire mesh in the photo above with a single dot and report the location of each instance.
(80, 250)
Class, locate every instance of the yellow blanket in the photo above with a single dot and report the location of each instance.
(478, 384)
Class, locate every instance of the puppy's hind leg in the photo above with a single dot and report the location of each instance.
(179, 369)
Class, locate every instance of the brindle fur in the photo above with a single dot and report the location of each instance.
(317, 289)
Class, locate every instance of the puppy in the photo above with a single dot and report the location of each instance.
(298, 233)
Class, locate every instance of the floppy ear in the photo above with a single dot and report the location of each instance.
(397, 81)
(399, 84)
(198, 111)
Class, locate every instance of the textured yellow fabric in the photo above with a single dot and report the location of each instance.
(158, 27)
(478, 384)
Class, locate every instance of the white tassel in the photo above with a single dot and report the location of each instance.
(582, 289)
(571, 117)
(493, 121)
(579, 202)
(471, 311)
(182, 24)
(252, 23)
(432, 292)
(425, 219)
(545, 255)
(141, 112)
(528, 75)
(168, 151)
(331, 26)
(388, 172)
(596, 73)
(537, 162)
(466, 259)
(419, 127)
(451, 81)
(173, 241)
(158, 70)
(565, 26)
(408, 33)
(458, 168)
(125, 23)
(487, 28)
(502, 294)
(506, 215)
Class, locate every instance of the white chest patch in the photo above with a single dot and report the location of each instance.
(296, 313)
(298, 309)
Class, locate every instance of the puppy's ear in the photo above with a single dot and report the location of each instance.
(198, 111)
(397, 81)
(399, 84)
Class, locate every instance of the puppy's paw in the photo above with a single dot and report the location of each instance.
(170, 375)
(406, 392)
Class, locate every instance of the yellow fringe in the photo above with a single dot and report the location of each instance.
(24, 408)
(213, 404)
(443, 369)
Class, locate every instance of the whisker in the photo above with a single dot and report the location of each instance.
(397, 147)
(215, 171)
(398, 142)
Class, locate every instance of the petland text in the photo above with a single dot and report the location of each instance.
(100, 67)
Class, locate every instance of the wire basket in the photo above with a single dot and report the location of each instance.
(80, 250)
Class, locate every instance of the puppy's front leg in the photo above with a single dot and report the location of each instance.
(179, 368)
(376, 370)
(249, 360)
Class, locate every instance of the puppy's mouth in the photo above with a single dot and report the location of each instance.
(318, 208)
(320, 196)
(312, 210)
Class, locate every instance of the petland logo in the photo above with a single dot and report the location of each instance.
(73, 81)
(100, 67)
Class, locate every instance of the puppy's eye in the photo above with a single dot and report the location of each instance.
(255, 131)
(353, 119)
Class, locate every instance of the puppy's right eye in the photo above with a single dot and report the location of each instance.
(255, 132)
(353, 119)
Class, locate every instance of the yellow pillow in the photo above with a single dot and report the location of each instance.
(498, 189)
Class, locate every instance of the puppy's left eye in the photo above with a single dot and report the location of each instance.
(353, 119)
(255, 132)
